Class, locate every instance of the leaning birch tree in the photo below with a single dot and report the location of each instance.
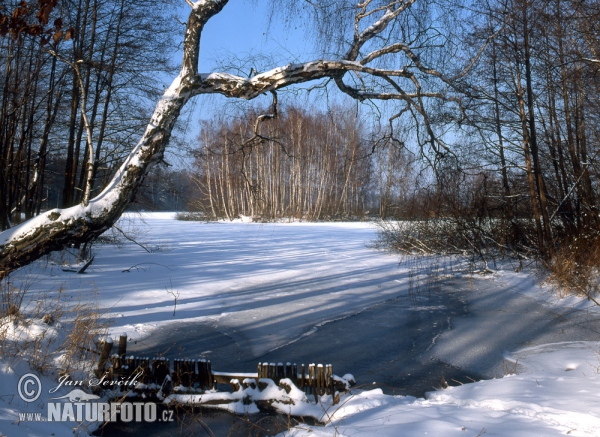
(378, 61)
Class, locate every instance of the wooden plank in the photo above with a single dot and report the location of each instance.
(320, 379)
(295, 374)
(122, 345)
(329, 378)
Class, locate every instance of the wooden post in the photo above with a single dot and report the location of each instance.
(130, 367)
(294, 374)
(320, 379)
(302, 377)
(311, 379)
(122, 345)
(106, 346)
(329, 378)
(145, 366)
(203, 374)
(211, 380)
(202, 377)
(187, 373)
(116, 364)
(162, 370)
(194, 377)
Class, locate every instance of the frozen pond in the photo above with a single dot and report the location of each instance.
(382, 346)
(239, 293)
(455, 330)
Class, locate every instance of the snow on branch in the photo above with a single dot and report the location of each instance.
(392, 10)
(248, 88)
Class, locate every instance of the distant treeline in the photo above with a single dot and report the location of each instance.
(308, 165)
(319, 165)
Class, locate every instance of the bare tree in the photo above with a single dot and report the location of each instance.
(107, 67)
(375, 64)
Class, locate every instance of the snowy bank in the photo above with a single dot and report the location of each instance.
(557, 393)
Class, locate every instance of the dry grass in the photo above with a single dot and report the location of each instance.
(510, 367)
(79, 347)
(52, 335)
(575, 267)
(573, 264)
(29, 335)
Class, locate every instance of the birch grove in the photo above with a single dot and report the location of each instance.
(310, 166)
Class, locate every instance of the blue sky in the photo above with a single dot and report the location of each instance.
(241, 35)
(243, 29)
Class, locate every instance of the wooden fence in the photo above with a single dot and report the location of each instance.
(151, 375)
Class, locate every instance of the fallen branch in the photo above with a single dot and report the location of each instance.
(140, 268)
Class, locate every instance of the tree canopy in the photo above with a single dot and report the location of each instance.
(360, 70)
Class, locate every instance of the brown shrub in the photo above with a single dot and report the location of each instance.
(575, 266)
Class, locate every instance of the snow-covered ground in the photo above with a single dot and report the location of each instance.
(266, 285)
(557, 393)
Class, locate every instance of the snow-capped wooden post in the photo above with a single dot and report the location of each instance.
(205, 374)
(320, 380)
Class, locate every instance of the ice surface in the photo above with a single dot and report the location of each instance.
(265, 285)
